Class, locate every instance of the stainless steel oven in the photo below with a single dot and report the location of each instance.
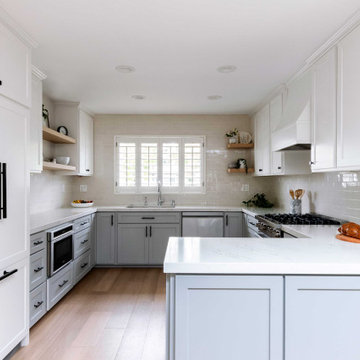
(60, 248)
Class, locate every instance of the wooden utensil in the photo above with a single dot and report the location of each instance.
(291, 192)
(302, 193)
(298, 193)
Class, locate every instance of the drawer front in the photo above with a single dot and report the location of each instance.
(148, 217)
(37, 304)
(38, 269)
(59, 285)
(37, 242)
(14, 305)
(82, 223)
(82, 242)
(82, 265)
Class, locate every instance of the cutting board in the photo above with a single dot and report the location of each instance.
(347, 238)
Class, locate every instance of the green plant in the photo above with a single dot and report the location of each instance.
(259, 200)
(232, 133)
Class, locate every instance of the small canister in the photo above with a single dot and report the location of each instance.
(295, 207)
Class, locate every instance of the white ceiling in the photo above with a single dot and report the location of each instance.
(175, 46)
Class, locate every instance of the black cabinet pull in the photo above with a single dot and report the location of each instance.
(38, 269)
(64, 282)
(7, 274)
(87, 170)
(148, 218)
(39, 303)
(0, 82)
(3, 191)
(84, 242)
(227, 220)
(150, 231)
(279, 167)
(112, 220)
(83, 265)
(83, 223)
(260, 169)
(38, 242)
(145, 231)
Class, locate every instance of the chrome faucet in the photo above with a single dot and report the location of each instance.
(160, 201)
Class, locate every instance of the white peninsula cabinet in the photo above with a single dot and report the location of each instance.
(322, 317)
(226, 317)
(80, 126)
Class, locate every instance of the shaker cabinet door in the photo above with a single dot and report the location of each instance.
(105, 238)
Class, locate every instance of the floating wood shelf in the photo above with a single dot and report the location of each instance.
(56, 167)
(57, 138)
(240, 146)
(240, 171)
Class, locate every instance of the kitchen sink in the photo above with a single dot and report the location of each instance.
(164, 206)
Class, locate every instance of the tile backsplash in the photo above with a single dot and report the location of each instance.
(222, 188)
(334, 194)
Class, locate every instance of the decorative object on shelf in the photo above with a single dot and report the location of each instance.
(232, 136)
(259, 200)
(63, 130)
(63, 160)
(245, 137)
(233, 165)
(45, 114)
(242, 164)
(82, 203)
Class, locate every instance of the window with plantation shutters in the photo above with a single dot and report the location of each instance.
(176, 162)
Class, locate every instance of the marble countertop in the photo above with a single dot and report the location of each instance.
(46, 220)
(177, 208)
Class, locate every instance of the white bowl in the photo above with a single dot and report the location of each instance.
(63, 160)
(82, 205)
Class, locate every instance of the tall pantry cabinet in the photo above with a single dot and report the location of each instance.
(15, 101)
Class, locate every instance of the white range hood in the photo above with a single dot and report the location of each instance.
(294, 129)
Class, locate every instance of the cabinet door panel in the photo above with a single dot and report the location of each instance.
(228, 317)
(15, 67)
(132, 244)
(276, 108)
(348, 128)
(158, 239)
(323, 154)
(105, 239)
(234, 224)
(322, 318)
(14, 244)
(262, 142)
(13, 307)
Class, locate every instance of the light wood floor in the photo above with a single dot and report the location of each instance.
(111, 314)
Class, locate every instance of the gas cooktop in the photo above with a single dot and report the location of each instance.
(305, 219)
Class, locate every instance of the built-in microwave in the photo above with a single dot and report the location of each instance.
(60, 248)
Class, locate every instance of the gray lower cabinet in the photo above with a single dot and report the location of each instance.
(37, 242)
(59, 285)
(322, 317)
(233, 224)
(132, 244)
(37, 304)
(158, 237)
(105, 238)
(82, 265)
(93, 240)
(38, 273)
(226, 317)
(82, 242)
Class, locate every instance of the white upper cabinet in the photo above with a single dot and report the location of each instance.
(36, 140)
(80, 126)
(15, 68)
(276, 109)
(262, 141)
(323, 150)
(348, 119)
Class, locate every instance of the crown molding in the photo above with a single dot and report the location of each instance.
(16, 29)
(37, 72)
(75, 104)
(349, 25)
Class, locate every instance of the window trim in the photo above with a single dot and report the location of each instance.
(181, 139)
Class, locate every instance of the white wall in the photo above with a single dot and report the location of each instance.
(222, 188)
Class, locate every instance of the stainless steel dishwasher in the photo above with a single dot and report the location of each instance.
(203, 224)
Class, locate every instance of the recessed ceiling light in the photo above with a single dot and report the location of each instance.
(214, 97)
(226, 69)
(138, 97)
(125, 69)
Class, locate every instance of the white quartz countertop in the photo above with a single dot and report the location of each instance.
(320, 253)
(176, 209)
(46, 220)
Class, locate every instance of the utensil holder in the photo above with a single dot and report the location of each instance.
(295, 207)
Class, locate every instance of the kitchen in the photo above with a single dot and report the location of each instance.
(196, 221)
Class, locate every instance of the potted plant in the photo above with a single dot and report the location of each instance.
(232, 136)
